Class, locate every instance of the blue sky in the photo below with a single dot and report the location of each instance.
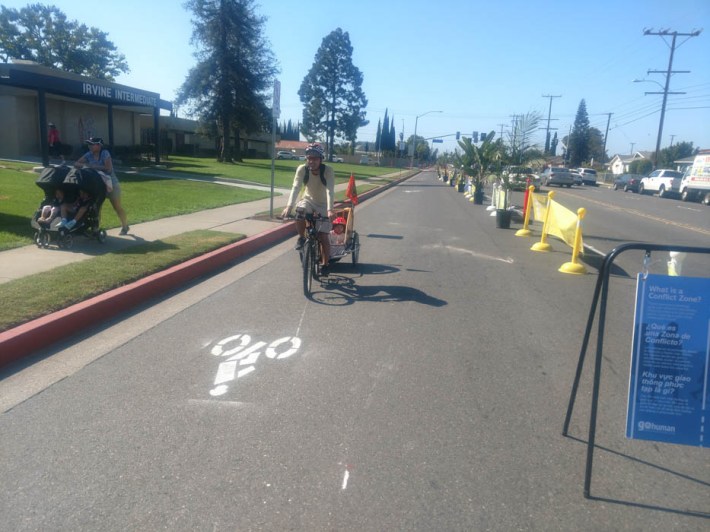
(477, 62)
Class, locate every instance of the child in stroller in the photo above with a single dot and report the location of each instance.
(51, 210)
(83, 192)
(73, 213)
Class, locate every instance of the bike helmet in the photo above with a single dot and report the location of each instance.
(315, 149)
(339, 221)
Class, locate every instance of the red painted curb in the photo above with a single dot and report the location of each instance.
(34, 335)
(37, 334)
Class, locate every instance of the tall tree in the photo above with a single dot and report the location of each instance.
(43, 34)
(331, 93)
(596, 145)
(378, 137)
(680, 150)
(579, 138)
(553, 145)
(392, 138)
(384, 135)
(228, 88)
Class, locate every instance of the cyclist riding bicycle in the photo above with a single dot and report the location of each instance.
(318, 182)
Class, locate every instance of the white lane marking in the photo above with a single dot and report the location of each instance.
(295, 345)
(595, 250)
(300, 322)
(218, 350)
(346, 476)
(246, 355)
(507, 260)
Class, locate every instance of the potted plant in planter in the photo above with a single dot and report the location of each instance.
(477, 161)
(521, 153)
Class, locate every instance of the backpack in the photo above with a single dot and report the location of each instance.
(322, 175)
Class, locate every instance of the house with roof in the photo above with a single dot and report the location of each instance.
(619, 164)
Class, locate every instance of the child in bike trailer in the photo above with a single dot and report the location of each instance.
(318, 183)
(337, 238)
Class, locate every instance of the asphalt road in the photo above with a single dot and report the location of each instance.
(424, 390)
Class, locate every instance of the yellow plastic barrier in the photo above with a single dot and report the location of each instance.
(544, 245)
(574, 266)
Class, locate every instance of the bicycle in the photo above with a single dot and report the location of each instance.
(310, 254)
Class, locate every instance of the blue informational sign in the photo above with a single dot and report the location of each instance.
(668, 385)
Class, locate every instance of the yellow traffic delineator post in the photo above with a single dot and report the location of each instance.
(525, 231)
(574, 266)
(543, 245)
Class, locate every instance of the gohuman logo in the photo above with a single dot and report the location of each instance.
(650, 426)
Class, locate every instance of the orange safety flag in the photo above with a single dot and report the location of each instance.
(351, 191)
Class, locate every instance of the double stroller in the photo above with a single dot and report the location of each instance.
(70, 181)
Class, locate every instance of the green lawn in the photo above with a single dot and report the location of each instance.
(144, 198)
(259, 170)
(28, 298)
(150, 198)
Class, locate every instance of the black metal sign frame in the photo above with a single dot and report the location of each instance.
(601, 291)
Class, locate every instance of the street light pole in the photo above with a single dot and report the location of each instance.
(414, 140)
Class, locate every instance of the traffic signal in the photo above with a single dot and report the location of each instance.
(458, 135)
(475, 136)
(483, 136)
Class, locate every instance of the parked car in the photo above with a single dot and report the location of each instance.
(627, 182)
(286, 155)
(337, 159)
(665, 182)
(521, 177)
(589, 176)
(577, 177)
(557, 176)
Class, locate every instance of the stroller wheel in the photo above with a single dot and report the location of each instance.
(37, 238)
(101, 236)
(44, 239)
(66, 241)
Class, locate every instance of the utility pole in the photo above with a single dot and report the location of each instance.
(501, 129)
(549, 112)
(672, 137)
(666, 92)
(606, 134)
(632, 148)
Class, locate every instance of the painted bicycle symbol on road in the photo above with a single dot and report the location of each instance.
(241, 353)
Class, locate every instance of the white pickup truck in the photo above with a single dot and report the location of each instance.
(665, 182)
(695, 184)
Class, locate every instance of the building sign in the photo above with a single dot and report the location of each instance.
(105, 92)
(119, 95)
(668, 385)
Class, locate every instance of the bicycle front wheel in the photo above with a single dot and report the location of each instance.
(308, 268)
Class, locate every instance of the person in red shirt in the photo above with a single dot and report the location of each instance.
(55, 145)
